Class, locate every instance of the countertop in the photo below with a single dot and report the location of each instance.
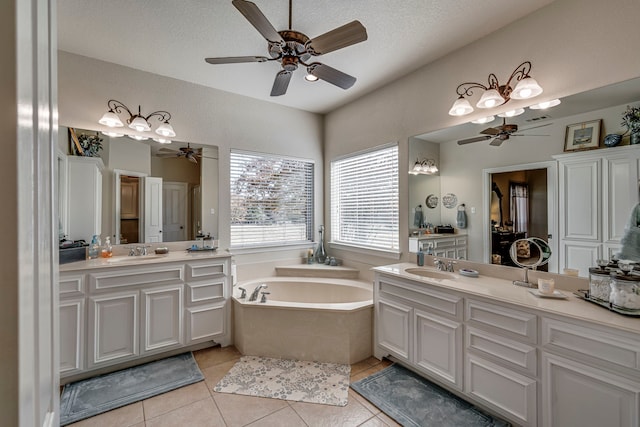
(129, 261)
(502, 290)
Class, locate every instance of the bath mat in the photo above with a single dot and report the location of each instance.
(313, 382)
(413, 401)
(93, 396)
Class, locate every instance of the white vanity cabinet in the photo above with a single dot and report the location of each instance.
(444, 245)
(598, 189)
(119, 313)
(84, 197)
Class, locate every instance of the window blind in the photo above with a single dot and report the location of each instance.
(364, 200)
(271, 200)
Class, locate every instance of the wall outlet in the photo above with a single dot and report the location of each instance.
(213, 211)
(473, 210)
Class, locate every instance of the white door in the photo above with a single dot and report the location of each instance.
(174, 214)
(162, 318)
(152, 209)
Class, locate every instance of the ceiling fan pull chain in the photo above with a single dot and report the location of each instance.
(290, 8)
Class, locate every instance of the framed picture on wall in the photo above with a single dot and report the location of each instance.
(583, 136)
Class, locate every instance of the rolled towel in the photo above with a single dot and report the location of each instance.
(461, 218)
(631, 239)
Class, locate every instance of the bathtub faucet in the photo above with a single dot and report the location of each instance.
(256, 291)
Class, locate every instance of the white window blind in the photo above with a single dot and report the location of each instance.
(271, 200)
(364, 200)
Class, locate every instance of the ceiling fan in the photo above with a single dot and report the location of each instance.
(292, 48)
(191, 154)
(500, 134)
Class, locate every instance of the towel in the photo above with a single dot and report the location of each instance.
(418, 217)
(631, 239)
(461, 218)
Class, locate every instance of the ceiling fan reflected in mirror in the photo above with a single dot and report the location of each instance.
(499, 134)
(293, 48)
(191, 154)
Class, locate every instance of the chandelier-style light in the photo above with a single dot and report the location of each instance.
(424, 167)
(137, 122)
(496, 94)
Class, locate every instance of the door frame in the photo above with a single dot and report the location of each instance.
(187, 214)
(552, 207)
(117, 173)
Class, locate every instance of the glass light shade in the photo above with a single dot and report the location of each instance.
(162, 140)
(461, 107)
(139, 124)
(545, 105)
(165, 129)
(484, 120)
(310, 78)
(111, 119)
(113, 134)
(512, 113)
(490, 98)
(138, 137)
(526, 88)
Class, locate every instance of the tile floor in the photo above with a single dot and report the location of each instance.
(198, 405)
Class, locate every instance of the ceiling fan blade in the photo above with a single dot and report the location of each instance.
(281, 83)
(497, 142)
(331, 75)
(236, 59)
(474, 139)
(351, 33)
(491, 131)
(526, 134)
(258, 20)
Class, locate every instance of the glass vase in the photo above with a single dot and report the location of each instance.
(634, 138)
(321, 254)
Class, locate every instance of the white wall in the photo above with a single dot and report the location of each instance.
(574, 46)
(200, 115)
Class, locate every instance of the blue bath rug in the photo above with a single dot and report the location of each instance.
(413, 401)
(93, 396)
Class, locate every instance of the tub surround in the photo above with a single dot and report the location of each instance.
(534, 361)
(317, 270)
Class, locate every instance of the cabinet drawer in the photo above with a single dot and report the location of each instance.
(515, 354)
(205, 292)
(595, 344)
(516, 324)
(71, 285)
(198, 270)
(461, 241)
(444, 243)
(509, 393)
(439, 302)
(154, 275)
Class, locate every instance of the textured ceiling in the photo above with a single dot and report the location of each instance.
(172, 38)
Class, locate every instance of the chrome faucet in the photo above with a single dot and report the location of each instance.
(256, 291)
(439, 264)
(450, 265)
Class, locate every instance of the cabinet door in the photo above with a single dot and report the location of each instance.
(72, 320)
(113, 328)
(579, 255)
(162, 325)
(580, 195)
(438, 347)
(620, 195)
(575, 394)
(205, 323)
(393, 328)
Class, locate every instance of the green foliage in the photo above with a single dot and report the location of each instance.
(91, 144)
(631, 119)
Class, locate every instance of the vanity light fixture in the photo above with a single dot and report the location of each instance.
(512, 113)
(424, 167)
(137, 122)
(113, 134)
(162, 140)
(496, 94)
(544, 105)
(138, 137)
(483, 120)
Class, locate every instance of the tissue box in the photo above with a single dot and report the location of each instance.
(68, 255)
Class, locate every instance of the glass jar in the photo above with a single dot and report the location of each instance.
(599, 284)
(625, 292)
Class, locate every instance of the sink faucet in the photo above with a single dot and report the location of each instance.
(439, 264)
(142, 250)
(256, 291)
(450, 265)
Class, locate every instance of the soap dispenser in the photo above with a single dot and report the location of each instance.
(94, 247)
(107, 249)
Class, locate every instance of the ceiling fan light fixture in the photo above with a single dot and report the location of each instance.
(311, 78)
(526, 88)
(490, 98)
(461, 107)
(483, 120)
(512, 113)
(546, 104)
(111, 119)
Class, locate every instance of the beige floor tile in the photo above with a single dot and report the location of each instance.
(174, 399)
(122, 417)
(364, 364)
(239, 410)
(213, 374)
(364, 374)
(387, 420)
(373, 422)
(213, 356)
(284, 417)
(316, 415)
(364, 402)
(202, 413)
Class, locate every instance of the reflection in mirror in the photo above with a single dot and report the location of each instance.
(152, 192)
(421, 187)
(496, 207)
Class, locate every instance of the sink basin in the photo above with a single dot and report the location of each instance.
(432, 274)
(132, 259)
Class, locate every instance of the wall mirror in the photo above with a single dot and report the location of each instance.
(424, 190)
(478, 165)
(152, 192)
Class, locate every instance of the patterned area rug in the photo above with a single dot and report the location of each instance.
(413, 401)
(93, 396)
(313, 382)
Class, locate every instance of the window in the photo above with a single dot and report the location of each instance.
(271, 200)
(364, 200)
